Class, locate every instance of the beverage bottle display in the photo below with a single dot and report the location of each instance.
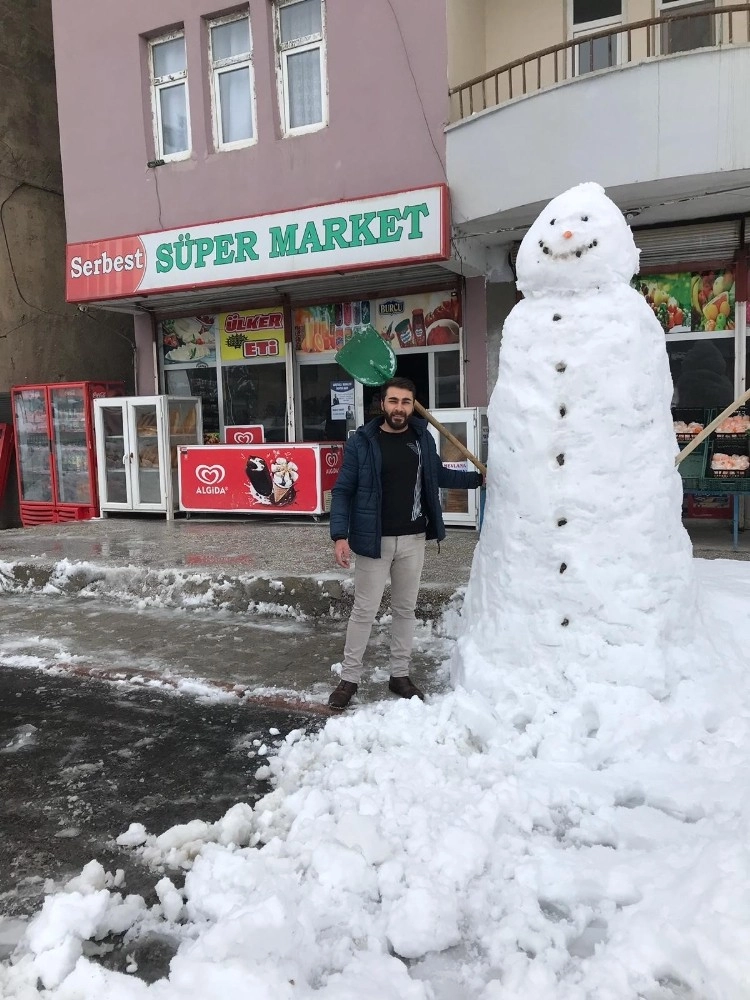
(347, 314)
(338, 312)
(418, 328)
(356, 314)
(365, 306)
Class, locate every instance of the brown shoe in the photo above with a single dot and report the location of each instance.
(404, 688)
(342, 695)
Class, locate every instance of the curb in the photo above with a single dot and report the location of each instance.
(319, 596)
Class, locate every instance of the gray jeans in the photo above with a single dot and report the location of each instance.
(402, 557)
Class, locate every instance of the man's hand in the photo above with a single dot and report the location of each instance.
(342, 553)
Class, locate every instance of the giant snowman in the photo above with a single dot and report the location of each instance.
(583, 568)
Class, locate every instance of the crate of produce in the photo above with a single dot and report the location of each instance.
(689, 421)
(734, 430)
(728, 463)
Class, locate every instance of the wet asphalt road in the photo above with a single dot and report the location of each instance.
(80, 760)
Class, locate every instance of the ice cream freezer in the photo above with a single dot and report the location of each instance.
(258, 478)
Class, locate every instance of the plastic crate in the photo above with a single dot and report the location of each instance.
(740, 439)
(690, 415)
(693, 468)
(736, 480)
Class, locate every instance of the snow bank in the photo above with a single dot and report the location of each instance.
(590, 844)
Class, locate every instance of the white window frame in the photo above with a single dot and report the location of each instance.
(588, 27)
(666, 8)
(219, 66)
(157, 84)
(297, 47)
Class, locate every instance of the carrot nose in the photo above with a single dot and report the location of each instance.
(567, 235)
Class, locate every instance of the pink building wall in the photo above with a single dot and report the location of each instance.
(387, 111)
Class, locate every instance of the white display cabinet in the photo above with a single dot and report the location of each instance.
(137, 438)
(469, 425)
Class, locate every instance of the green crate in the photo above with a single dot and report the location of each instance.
(693, 468)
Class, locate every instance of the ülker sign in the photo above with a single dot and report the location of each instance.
(382, 231)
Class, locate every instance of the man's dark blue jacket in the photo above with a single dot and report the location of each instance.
(357, 495)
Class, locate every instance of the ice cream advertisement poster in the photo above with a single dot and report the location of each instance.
(252, 478)
(251, 334)
(701, 302)
(190, 340)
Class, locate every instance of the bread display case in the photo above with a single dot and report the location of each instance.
(137, 438)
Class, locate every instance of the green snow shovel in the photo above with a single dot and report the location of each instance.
(371, 361)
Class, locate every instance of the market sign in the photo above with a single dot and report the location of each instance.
(382, 231)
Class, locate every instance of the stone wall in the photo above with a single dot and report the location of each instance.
(42, 338)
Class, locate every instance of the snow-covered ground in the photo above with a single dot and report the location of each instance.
(573, 841)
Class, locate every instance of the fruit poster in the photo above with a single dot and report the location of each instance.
(690, 303)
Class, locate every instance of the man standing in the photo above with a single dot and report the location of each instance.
(385, 505)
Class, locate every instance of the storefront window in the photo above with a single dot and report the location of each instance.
(418, 328)
(324, 418)
(256, 394)
(198, 381)
(702, 372)
(447, 379)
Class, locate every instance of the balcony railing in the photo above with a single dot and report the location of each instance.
(617, 45)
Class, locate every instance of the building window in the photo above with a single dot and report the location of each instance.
(690, 32)
(169, 97)
(232, 81)
(300, 40)
(591, 16)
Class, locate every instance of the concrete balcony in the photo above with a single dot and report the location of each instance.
(667, 135)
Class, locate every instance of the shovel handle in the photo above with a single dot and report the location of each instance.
(700, 438)
(451, 437)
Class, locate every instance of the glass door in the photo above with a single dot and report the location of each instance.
(146, 457)
(34, 446)
(458, 506)
(70, 445)
(113, 455)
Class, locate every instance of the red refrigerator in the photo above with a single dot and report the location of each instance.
(55, 451)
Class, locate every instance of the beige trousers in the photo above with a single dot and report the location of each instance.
(401, 558)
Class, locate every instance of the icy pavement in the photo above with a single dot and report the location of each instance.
(581, 843)
(281, 657)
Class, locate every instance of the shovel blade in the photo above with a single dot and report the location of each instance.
(367, 357)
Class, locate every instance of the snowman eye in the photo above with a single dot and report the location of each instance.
(584, 218)
(552, 222)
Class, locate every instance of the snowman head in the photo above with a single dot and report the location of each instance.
(579, 241)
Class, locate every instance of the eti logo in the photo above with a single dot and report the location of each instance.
(211, 476)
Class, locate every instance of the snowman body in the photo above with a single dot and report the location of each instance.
(583, 561)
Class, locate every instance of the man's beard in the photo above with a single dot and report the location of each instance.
(396, 422)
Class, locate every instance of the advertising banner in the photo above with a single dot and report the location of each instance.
(284, 478)
(251, 334)
(429, 319)
(380, 231)
(190, 340)
(701, 302)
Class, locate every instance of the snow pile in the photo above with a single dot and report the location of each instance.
(562, 845)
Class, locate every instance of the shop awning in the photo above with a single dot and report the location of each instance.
(377, 283)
